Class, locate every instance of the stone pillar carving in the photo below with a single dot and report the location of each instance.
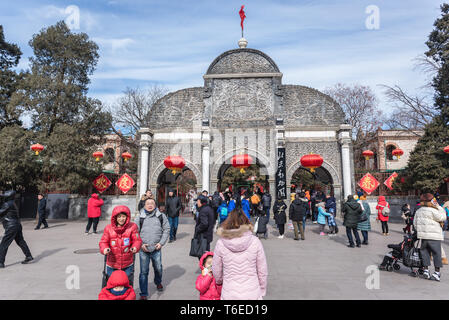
(144, 163)
(344, 136)
(205, 159)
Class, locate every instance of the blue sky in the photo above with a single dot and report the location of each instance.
(315, 43)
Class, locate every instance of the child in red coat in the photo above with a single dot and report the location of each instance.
(118, 288)
(120, 241)
(205, 283)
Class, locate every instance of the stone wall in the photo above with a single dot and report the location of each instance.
(78, 206)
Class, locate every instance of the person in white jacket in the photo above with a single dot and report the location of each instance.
(428, 222)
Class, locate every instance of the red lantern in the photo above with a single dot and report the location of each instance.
(312, 161)
(37, 148)
(398, 153)
(368, 154)
(174, 163)
(241, 161)
(126, 156)
(97, 155)
(446, 149)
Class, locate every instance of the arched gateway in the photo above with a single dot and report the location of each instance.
(243, 107)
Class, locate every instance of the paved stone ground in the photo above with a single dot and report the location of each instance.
(319, 268)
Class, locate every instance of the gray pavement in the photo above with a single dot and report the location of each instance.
(320, 267)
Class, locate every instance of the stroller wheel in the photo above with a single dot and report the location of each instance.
(396, 267)
(389, 268)
(420, 271)
(413, 274)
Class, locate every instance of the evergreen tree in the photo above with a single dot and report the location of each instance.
(68, 123)
(428, 165)
(9, 58)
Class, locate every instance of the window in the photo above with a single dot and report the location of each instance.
(390, 149)
(109, 155)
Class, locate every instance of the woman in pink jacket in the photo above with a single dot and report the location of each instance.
(239, 261)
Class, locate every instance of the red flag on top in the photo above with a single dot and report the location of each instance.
(242, 17)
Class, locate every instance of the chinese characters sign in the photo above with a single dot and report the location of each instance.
(281, 179)
(390, 180)
(125, 183)
(101, 183)
(368, 183)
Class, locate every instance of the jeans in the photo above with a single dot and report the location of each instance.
(267, 213)
(365, 236)
(13, 231)
(128, 270)
(431, 247)
(42, 220)
(94, 221)
(145, 259)
(384, 226)
(298, 226)
(173, 226)
(356, 234)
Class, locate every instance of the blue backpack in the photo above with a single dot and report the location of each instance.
(223, 212)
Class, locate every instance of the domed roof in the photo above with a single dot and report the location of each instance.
(242, 60)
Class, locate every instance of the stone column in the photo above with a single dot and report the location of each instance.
(345, 140)
(145, 142)
(205, 159)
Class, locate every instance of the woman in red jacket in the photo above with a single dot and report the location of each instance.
(93, 212)
(120, 241)
(382, 215)
(118, 288)
(205, 283)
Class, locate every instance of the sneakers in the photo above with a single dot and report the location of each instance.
(160, 288)
(281, 237)
(27, 260)
(358, 246)
(426, 274)
(86, 233)
(315, 222)
(436, 276)
(351, 246)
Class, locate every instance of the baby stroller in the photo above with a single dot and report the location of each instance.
(261, 226)
(400, 254)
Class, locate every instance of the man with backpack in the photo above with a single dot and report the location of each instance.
(154, 231)
(215, 203)
(266, 202)
(173, 207)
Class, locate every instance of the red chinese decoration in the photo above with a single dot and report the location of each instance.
(241, 161)
(446, 149)
(368, 183)
(174, 163)
(125, 183)
(368, 154)
(126, 156)
(312, 161)
(97, 155)
(242, 17)
(37, 148)
(101, 183)
(390, 180)
(398, 153)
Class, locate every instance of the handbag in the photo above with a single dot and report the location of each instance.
(104, 280)
(198, 246)
(412, 257)
(256, 225)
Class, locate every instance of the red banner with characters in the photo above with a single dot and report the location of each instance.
(125, 183)
(368, 183)
(390, 180)
(102, 183)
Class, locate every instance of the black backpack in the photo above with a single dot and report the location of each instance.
(216, 201)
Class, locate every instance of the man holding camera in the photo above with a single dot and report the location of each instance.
(9, 215)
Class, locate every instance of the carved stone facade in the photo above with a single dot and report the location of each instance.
(244, 107)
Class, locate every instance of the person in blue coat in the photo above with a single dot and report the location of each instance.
(322, 214)
(222, 212)
(331, 205)
(246, 207)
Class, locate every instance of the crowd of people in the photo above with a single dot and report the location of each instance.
(237, 267)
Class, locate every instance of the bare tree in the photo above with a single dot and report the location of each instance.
(131, 111)
(413, 112)
(359, 103)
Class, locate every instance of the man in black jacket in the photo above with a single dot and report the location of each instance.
(173, 207)
(205, 222)
(9, 215)
(266, 202)
(297, 212)
(41, 211)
